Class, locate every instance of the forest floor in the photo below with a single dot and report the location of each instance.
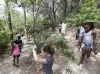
(61, 66)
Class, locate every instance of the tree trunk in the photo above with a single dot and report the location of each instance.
(65, 8)
(10, 26)
(9, 20)
(25, 24)
(32, 2)
(54, 16)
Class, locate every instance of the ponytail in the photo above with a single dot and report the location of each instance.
(52, 51)
(49, 50)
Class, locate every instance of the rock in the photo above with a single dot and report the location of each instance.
(64, 72)
(92, 58)
(55, 67)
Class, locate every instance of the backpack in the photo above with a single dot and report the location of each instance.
(78, 32)
(16, 50)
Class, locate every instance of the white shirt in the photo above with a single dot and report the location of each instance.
(81, 29)
(22, 38)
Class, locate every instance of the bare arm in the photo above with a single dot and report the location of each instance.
(94, 40)
(37, 59)
(12, 49)
(77, 32)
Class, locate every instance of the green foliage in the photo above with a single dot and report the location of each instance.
(4, 38)
(4, 34)
(69, 71)
(69, 53)
(60, 42)
(45, 20)
(87, 11)
(41, 37)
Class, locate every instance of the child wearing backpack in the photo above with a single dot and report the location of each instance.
(79, 34)
(88, 42)
(47, 61)
(16, 51)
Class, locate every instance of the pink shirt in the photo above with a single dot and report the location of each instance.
(16, 50)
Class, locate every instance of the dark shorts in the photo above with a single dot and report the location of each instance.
(16, 56)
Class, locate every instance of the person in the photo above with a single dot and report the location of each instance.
(88, 42)
(18, 34)
(60, 26)
(63, 27)
(47, 61)
(19, 42)
(22, 38)
(16, 51)
(79, 34)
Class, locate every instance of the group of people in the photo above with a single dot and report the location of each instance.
(47, 52)
(62, 27)
(87, 42)
(16, 50)
(86, 36)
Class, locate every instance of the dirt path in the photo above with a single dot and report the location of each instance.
(28, 66)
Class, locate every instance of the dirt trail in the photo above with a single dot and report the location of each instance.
(28, 66)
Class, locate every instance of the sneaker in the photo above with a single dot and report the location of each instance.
(80, 66)
(87, 60)
(17, 65)
(14, 64)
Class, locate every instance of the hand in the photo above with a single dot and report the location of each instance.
(34, 47)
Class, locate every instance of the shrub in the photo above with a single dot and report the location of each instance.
(4, 38)
(60, 42)
(41, 37)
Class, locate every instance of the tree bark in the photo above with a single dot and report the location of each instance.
(54, 15)
(65, 8)
(25, 30)
(10, 26)
(32, 2)
(25, 24)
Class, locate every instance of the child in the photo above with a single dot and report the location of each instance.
(60, 26)
(47, 62)
(22, 38)
(79, 35)
(18, 34)
(19, 42)
(16, 51)
(88, 42)
(16, 54)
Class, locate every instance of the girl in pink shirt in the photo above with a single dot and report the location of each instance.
(16, 53)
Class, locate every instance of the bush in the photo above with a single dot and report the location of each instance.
(4, 38)
(41, 37)
(60, 42)
(87, 12)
